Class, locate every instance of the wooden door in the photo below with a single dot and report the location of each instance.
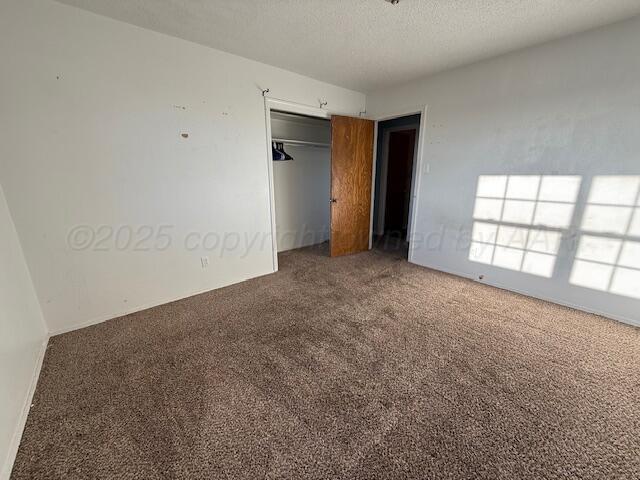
(351, 171)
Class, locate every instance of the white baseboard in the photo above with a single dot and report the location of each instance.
(140, 308)
(22, 421)
(612, 316)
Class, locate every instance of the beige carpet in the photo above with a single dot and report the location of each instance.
(362, 367)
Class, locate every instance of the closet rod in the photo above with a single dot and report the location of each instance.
(301, 143)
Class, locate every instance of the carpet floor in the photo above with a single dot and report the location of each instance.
(360, 367)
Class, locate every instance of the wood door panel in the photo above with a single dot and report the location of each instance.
(351, 173)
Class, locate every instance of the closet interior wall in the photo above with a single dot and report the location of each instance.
(302, 185)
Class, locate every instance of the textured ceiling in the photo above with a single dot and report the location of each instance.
(365, 44)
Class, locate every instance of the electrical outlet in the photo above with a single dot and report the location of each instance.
(204, 261)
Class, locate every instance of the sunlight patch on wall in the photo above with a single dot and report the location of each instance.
(520, 220)
(608, 255)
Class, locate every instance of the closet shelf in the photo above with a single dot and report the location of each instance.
(301, 143)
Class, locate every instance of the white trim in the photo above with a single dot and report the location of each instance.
(272, 201)
(271, 103)
(602, 313)
(418, 163)
(289, 107)
(295, 108)
(403, 113)
(417, 178)
(413, 193)
(22, 420)
(123, 313)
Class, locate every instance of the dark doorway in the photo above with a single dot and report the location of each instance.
(396, 145)
(398, 191)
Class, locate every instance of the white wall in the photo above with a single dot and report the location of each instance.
(570, 107)
(94, 110)
(22, 333)
(302, 187)
(302, 191)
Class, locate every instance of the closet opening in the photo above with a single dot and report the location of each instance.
(397, 149)
(301, 160)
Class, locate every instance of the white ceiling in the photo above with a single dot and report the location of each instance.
(365, 44)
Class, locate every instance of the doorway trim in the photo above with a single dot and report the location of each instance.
(289, 107)
(419, 169)
(384, 170)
